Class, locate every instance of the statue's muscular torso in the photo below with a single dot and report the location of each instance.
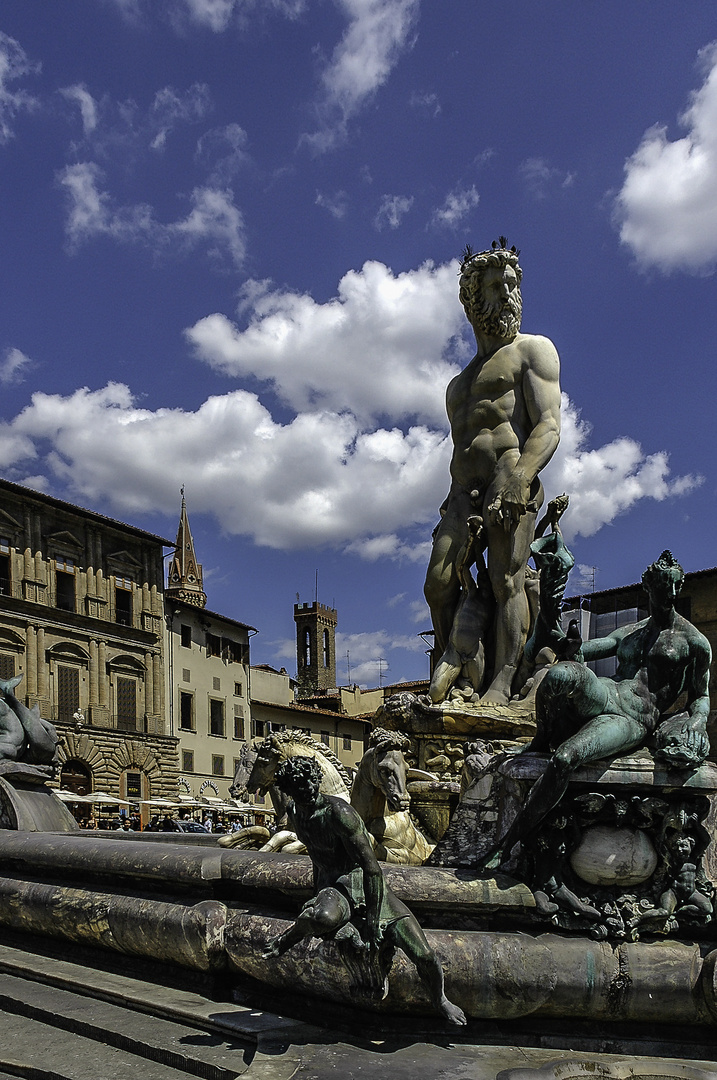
(488, 412)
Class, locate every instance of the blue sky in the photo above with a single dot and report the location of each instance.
(229, 232)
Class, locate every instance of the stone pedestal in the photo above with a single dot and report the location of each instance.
(628, 851)
(28, 804)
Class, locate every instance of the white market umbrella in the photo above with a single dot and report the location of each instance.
(103, 799)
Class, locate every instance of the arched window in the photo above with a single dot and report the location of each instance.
(307, 647)
(327, 650)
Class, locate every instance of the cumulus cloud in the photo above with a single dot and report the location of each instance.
(386, 345)
(378, 32)
(666, 210)
(606, 482)
(213, 222)
(456, 207)
(362, 460)
(391, 209)
(13, 366)
(14, 65)
(318, 479)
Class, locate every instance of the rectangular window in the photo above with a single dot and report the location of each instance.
(126, 704)
(7, 666)
(68, 692)
(238, 727)
(134, 786)
(187, 761)
(186, 711)
(186, 675)
(347, 742)
(5, 584)
(325, 737)
(237, 689)
(186, 636)
(65, 580)
(231, 651)
(217, 765)
(216, 684)
(214, 645)
(258, 729)
(216, 717)
(123, 605)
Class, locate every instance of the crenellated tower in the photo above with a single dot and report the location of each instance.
(315, 648)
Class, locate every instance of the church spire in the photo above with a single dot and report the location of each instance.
(185, 573)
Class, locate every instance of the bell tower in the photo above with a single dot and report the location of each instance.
(315, 648)
(184, 581)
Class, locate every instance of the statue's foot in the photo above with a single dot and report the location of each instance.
(567, 899)
(543, 904)
(452, 1013)
(495, 697)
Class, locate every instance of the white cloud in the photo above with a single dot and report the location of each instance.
(120, 130)
(540, 176)
(666, 209)
(13, 366)
(456, 207)
(428, 104)
(384, 346)
(366, 650)
(214, 15)
(171, 107)
(226, 147)
(336, 204)
(364, 461)
(213, 222)
(391, 209)
(87, 105)
(318, 479)
(608, 481)
(14, 64)
(378, 32)
(390, 546)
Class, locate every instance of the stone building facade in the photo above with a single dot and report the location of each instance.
(82, 619)
(207, 676)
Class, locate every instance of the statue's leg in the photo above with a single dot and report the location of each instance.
(508, 551)
(408, 935)
(325, 914)
(603, 736)
(442, 587)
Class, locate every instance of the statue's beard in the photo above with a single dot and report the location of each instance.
(501, 322)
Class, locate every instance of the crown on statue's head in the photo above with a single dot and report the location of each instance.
(498, 247)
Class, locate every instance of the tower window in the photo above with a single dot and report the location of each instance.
(307, 648)
(327, 649)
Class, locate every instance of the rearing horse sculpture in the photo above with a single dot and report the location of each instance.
(380, 795)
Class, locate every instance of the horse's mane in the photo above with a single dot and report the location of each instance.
(381, 739)
(281, 739)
